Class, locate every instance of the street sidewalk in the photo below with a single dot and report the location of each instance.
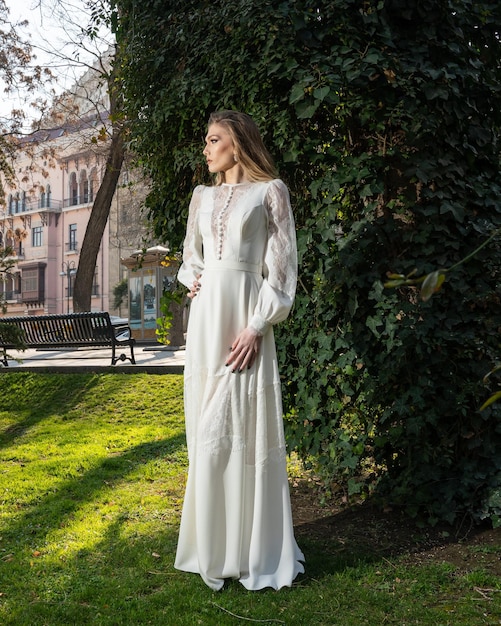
(150, 358)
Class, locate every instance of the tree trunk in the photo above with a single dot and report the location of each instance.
(82, 291)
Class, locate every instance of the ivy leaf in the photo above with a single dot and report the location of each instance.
(305, 110)
(321, 93)
(297, 93)
(373, 323)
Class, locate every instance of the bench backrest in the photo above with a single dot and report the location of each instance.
(60, 330)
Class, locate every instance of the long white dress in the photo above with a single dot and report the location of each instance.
(236, 521)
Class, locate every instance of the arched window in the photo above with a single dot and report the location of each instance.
(84, 187)
(42, 198)
(73, 189)
(93, 185)
(17, 203)
(11, 204)
(23, 201)
(48, 192)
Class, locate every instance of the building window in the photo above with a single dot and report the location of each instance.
(36, 236)
(33, 283)
(95, 284)
(48, 192)
(72, 234)
(70, 285)
(84, 187)
(73, 190)
(93, 185)
(30, 280)
(9, 287)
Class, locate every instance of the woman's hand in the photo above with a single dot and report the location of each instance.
(244, 350)
(195, 288)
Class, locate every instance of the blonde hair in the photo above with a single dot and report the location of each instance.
(250, 150)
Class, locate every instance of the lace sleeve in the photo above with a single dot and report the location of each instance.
(280, 263)
(193, 263)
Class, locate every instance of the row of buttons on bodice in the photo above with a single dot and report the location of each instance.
(220, 226)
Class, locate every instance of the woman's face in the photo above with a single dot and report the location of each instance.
(219, 150)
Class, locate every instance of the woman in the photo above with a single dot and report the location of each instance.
(240, 265)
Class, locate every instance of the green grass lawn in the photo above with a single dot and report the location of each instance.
(92, 471)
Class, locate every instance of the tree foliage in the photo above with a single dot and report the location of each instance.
(89, 38)
(384, 118)
(85, 35)
(18, 73)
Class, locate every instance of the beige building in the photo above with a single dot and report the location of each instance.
(45, 215)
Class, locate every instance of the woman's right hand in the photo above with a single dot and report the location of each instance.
(195, 288)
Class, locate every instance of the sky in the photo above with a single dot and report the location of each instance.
(52, 43)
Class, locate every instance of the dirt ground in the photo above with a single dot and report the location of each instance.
(364, 528)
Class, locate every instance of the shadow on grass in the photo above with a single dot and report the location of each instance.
(54, 399)
(65, 586)
(364, 534)
(51, 511)
(127, 577)
(123, 579)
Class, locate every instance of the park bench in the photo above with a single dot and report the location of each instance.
(71, 330)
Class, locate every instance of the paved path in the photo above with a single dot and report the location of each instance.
(152, 359)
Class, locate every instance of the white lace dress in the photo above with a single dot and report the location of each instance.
(236, 520)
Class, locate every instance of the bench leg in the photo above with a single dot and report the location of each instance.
(122, 357)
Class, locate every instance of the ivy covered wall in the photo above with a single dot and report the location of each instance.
(384, 119)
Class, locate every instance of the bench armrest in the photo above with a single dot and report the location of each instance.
(122, 333)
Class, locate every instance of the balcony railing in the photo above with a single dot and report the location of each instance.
(72, 246)
(11, 296)
(35, 205)
(17, 253)
(78, 200)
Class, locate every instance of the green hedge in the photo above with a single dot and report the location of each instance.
(384, 118)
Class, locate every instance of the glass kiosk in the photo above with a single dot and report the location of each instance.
(148, 279)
